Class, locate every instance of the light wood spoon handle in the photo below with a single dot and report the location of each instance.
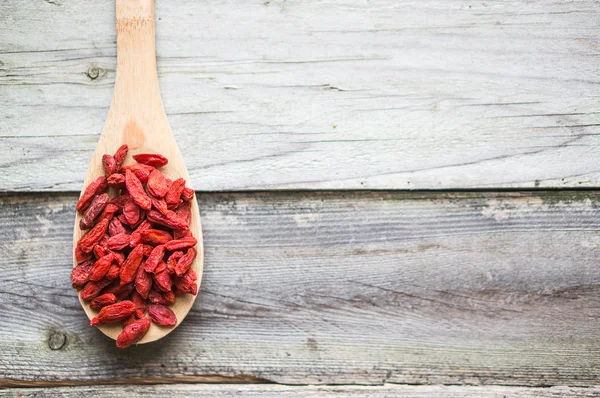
(137, 118)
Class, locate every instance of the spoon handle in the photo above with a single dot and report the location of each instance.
(136, 85)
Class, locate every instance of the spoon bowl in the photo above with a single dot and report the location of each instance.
(137, 118)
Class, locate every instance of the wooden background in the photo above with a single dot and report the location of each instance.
(399, 198)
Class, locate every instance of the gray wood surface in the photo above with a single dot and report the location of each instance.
(275, 391)
(342, 288)
(270, 94)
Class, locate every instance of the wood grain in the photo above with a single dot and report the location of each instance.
(327, 94)
(275, 391)
(333, 288)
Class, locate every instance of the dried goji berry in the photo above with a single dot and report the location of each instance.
(160, 267)
(128, 321)
(110, 164)
(80, 256)
(162, 315)
(185, 212)
(101, 267)
(136, 190)
(81, 274)
(115, 227)
(160, 205)
(119, 258)
(131, 264)
(169, 297)
(136, 236)
(121, 154)
(93, 211)
(143, 282)
(156, 298)
(93, 289)
(182, 233)
(103, 301)
(113, 271)
(185, 262)
(116, 180)
(162, 280)
(155, 258)
(131, 211)
(173, 197)
(120, 200)
(95, 187)
(151, 159)
(114, 312)
(99, 251)
(187, 194)
(156, 237)
(170, 219)
(133, 332)
(172, 261)
(157, 184)
(118, 242)
(186, 283)
(141, 171)
(147, 249)
(93, 236)
(109, 212)
(140, 304)
(182, 243)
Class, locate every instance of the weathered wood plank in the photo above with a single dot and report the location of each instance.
(276, 391)
(333, 288)
(328, 94)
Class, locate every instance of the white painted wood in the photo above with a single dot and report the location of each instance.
(340, 94)
(332, 288)
(137, 118)
(276, 391)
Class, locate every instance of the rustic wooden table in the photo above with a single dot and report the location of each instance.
(391, 194)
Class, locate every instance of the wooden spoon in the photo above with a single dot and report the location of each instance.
(137, 118)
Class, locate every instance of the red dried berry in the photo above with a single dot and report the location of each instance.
(185, 212)
(93, 211)
(109, 212)
(133, 332)
(93, 236)
(116, 180)
(128, 321)
(113, 272)
(143, 282)
(101, 267)
(114, 313)
(151, 159)
(120, 155)
(155, 258)
(103, 301)
(156, 298)
(160, 205)
(162, 280)
(156, 237)
(162, 315)
(169, 297)
(93, 289)
(140, 304)
(173, 197)
(95, 187)
(173, 260)
(157, 184)
(131, 264)
(160, 268)
(118, 242)
(80, 275)
(110, 164)
(182, 243)
(185, 262)
(80, 256)
(131, 211)
(170, 219)
(119, 258)
(141, 171)
(187, 194)
(187, 282)
(115, 227)
(136, 190)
